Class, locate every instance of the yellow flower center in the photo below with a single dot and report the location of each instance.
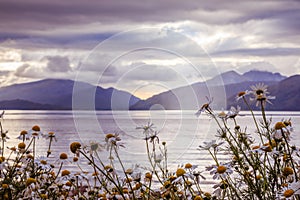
(21, 145)
(63, 156)
(44, 196)
(128, 180)
(285, 157)
(2, 158)
(109, 135)
(222, 114)
(167, 184)
(69, 183)
(221, 169)
(287, 171)
(35, 134)
(138, 186)
(23, 132)
(75, 159)
(65, 172)
(188, 166)
(180, 172)
(95, 174)
(198, 198)
(30, 181)
(273, 143)
(148, 175)
(279, 125)
(36, 128)
(258, 177)
(13, 148)
(241, 94)
(43, 162)
(51, 134)
(125, 190)
(129, 171)
(288, 193)
(267, 147)
(4, 186)
(255, 147)
(207, 194)
(172, 178)
(74, 146)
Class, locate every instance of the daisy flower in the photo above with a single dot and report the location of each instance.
(113, 139)
(4, 136)
(35, 132)
(290, 191)
(182, 176)
(211, 144)
(261, 94)
(147, 128)
(220, 171)
(42, 163)
(233, 112)
(242, 94)
(220, 187)
(205, 107)
(23, 136)
(281, 131)
(94, 147)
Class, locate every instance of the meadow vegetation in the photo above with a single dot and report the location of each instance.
(260, 165)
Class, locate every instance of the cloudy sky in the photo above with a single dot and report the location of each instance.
(146, 47)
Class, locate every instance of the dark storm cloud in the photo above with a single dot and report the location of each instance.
(35, 15)
(78, 24)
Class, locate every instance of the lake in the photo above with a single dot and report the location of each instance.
(181, 130)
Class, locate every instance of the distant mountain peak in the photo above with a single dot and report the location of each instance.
(229, 77)
(60, 93)
(232, 77)
(258, 75)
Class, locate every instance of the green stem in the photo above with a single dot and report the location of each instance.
(123, 168)
(254, 119)
(49, 147)
(2, 136)
(290, 155)
(151, 163)
(102, 172)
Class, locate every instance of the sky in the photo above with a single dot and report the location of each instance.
(146, 47)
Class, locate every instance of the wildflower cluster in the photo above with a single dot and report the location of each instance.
(263, 165)
(112, 180)
(24, 175)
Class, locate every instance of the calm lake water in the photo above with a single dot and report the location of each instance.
(181, 130)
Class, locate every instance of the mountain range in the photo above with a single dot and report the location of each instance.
(58, 94)
(224, 89)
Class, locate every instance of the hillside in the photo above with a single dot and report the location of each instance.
(59, 93)
(286, 90)
(18, 104)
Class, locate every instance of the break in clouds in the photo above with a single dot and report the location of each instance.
(132, 43)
